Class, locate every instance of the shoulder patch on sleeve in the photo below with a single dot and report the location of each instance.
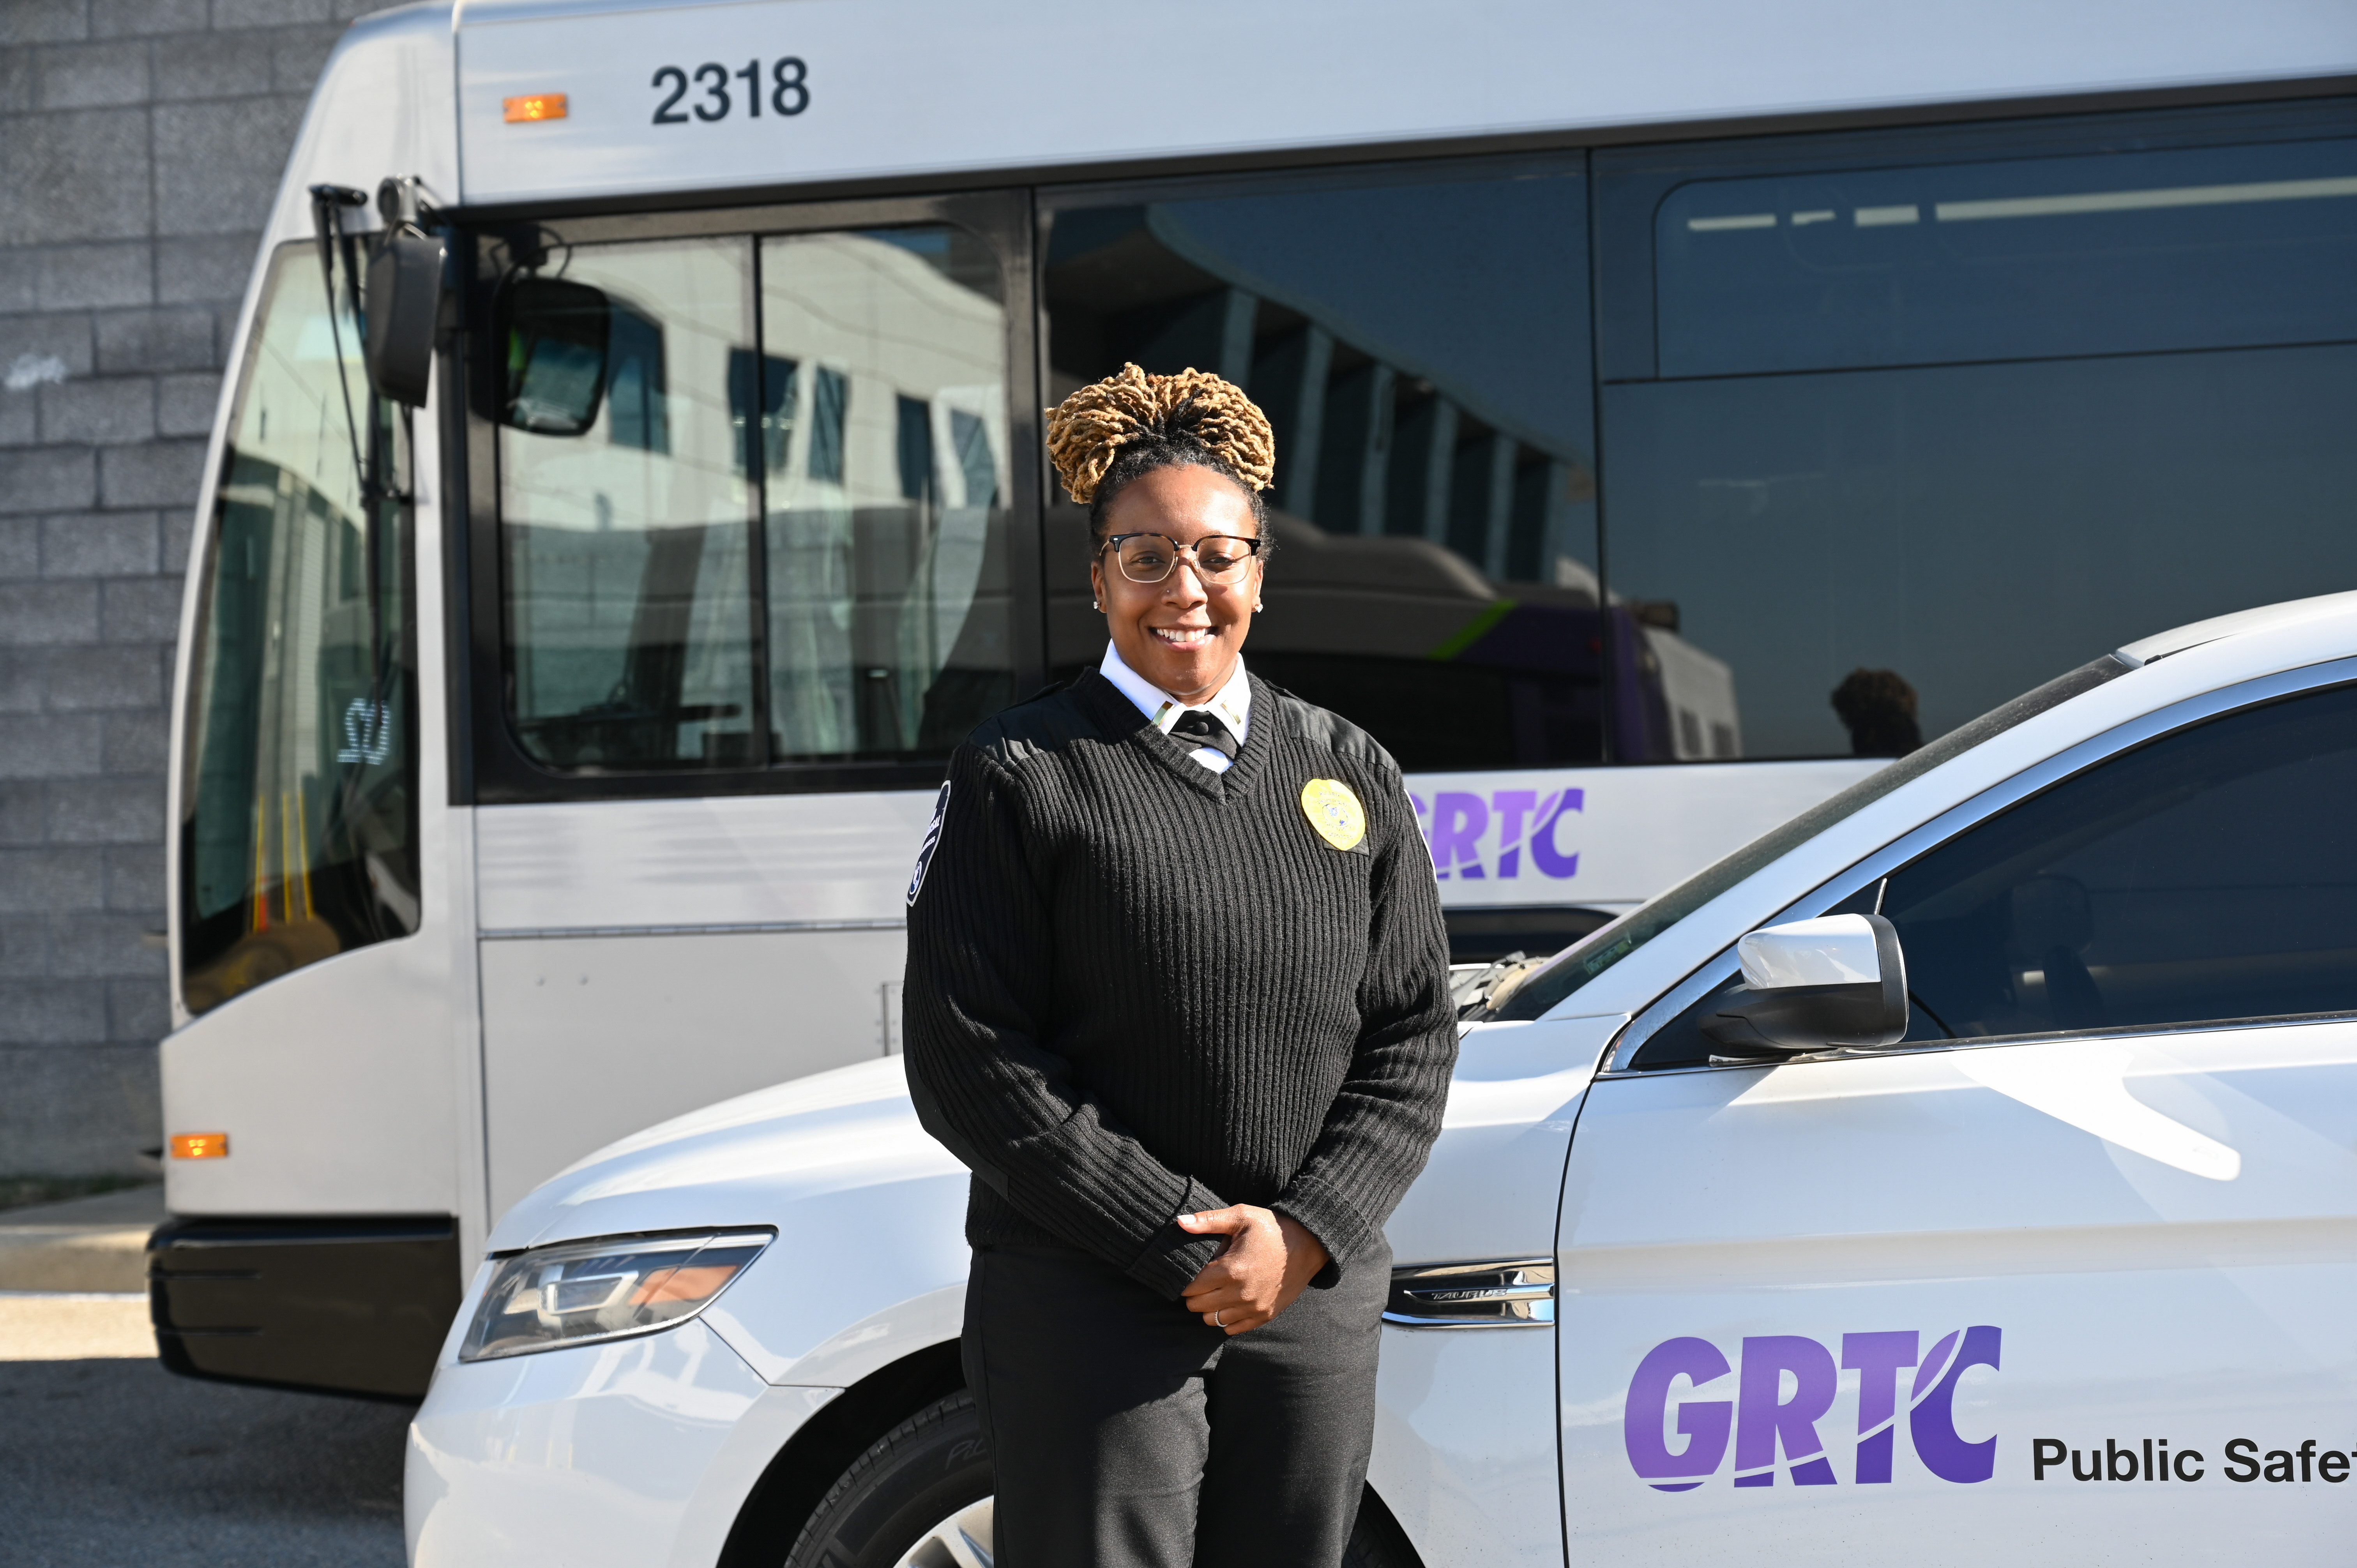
(932, 842)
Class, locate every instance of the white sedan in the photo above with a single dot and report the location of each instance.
(1965, 1171)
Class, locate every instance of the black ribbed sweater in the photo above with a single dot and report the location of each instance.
(1137, 988)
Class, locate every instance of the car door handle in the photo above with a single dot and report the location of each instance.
(1509, 1292)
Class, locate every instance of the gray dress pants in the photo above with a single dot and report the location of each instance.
(1126, 1432)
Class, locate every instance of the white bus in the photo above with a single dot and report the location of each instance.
(1678, 408)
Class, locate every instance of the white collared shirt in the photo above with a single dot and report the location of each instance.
(1233, 702)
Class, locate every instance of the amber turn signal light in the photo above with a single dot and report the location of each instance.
(535, 106)
(201, 1145)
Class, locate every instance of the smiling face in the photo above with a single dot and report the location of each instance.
(1182, 634)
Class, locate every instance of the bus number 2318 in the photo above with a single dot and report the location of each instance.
(789, 90)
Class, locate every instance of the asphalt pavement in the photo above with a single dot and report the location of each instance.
(118, 1462)
(107, 1459)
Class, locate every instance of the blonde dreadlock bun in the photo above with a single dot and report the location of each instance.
(1089, 430)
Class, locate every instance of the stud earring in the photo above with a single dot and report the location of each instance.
(1096, 607)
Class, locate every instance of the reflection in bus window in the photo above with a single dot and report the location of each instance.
(641, 412)
(629, 604)
(2139, 419)
(1421, 347)
(2031, 258)
(887, 611)
(300, 811)
(649, 624)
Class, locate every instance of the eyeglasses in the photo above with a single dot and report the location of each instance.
(1221, 558)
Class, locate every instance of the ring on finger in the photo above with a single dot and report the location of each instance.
(1219, 1318)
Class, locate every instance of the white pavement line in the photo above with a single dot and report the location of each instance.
(75, 1325)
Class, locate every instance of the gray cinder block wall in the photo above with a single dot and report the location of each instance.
(141, 142)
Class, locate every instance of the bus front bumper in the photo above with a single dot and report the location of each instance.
(333, 1305)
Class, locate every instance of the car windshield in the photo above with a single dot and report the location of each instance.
(1584, 961)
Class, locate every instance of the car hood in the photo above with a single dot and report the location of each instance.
(740, 1162)
(788, 1156)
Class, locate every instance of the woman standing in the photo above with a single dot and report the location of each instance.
(1176, 993)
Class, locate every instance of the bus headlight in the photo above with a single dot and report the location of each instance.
(577, 1291)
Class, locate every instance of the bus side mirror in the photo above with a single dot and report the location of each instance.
(556, 335)
(404, 304)
(1838, 980)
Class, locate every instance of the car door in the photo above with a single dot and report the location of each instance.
(2066, 1273)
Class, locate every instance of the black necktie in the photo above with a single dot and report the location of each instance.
(1200, 726)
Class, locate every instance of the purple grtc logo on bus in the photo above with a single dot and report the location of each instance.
(1457, 821)
(1763, 1418)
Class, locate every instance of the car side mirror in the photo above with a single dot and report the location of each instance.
(404, 304)
(1838, 980)
(556, 336)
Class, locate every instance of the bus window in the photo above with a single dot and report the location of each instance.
(299, 809)
(885, 356)
(1923, 435)
(630, 619)
(1421, 344)
(2119, 253)
(769, 525)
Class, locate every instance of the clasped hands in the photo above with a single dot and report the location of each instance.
(1269, 1260)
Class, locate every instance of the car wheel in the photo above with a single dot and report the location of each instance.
(1376, 1540)
(919, 1498)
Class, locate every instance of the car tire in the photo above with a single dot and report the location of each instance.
(924, 1472)
(1376, 1540)
(920, 1477)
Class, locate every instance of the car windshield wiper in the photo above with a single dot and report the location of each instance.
(1476, 988)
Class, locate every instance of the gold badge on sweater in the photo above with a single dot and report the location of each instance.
(1334, 811)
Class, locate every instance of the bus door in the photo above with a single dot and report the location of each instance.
(743, 571)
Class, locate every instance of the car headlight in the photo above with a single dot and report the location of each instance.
(576, 1291)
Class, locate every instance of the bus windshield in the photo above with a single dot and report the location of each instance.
(298, 806)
